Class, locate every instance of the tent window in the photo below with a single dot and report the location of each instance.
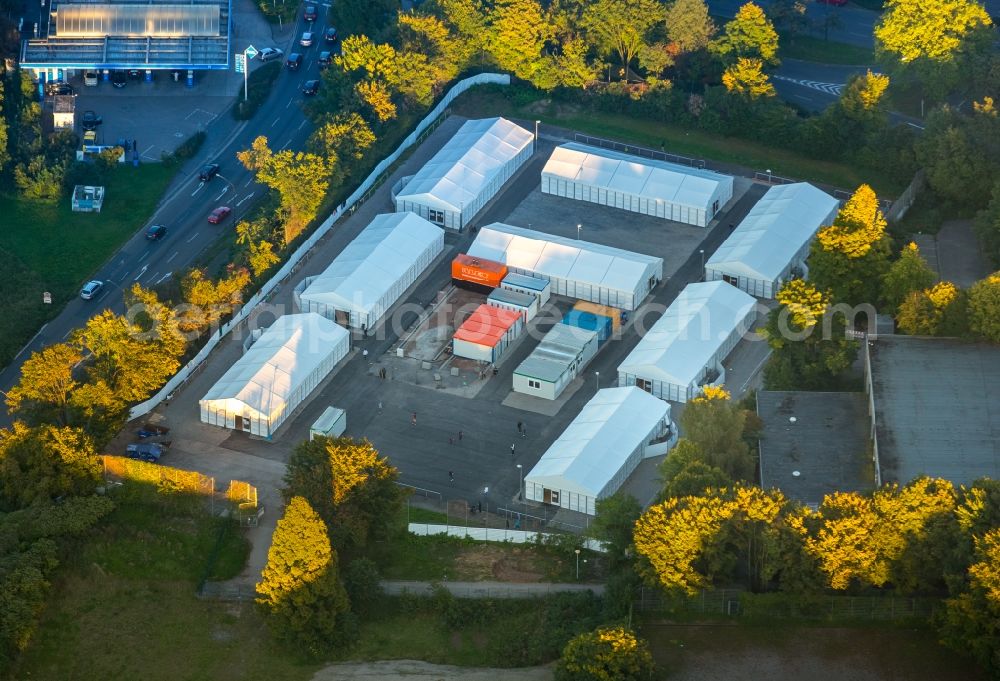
(643, 384)
(436, 216)
(715, 207)
(735, 281)
(535, 384)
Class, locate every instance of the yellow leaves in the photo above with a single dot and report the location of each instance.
(378, 98)
(712, 392)
(873, 89)
(916, 29)
(857, 227)
(984, 308)
(986, 107)
(922, 312)
(300, 553)
(607, 654)
(985, 573)
(942, 294)
(805, 304)
(747, 78)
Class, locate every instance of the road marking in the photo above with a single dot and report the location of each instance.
(249, 182)
(224, 190)
(833, 89)
(245, 198)
(276, 121)
(301, 124)
(71, 330)
(918, 127)
(200, 185)
(193, 237)
(289, 103)
(141, 272)
(123, 277)
(163, 278)
(145, 255)
(804, 99)
(153, 277)
(172, 257)
(28, 344)
(147, 149)
(285, 145)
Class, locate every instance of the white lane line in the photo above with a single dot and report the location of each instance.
(249, 182)
(198, 189)
(28, 344)
(224, 190)
(172, 257)
(145, 255)
(123, 277)
(245, 198)
(804, 99)
(289, 103)
(153, 277)
(193, 237)
(285, 145)
(65, 335)
(141, 272)
(147, 149)
(301, 124)
(918, 127)
(276, 121)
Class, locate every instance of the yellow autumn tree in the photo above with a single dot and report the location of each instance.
(805, 305)
(607, 654)
(207, 301)
(936, 31)
(924, 313)
(985, 573)
(747, 78)
(984, 308)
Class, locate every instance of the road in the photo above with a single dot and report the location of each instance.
(856, 23)
(185, 208)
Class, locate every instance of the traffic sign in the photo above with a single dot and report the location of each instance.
(241, 62)
(250, 52)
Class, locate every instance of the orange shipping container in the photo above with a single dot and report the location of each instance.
(613, 312)
(478, 271)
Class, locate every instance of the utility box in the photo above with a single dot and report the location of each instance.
(331, 423)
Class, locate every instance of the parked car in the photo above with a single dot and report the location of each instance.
(156, 232)
(330, 35)
(90, 137)
(310, 87)
(145, 451)
(270, 53)
(219, 214)
(310, 13)
(91, 289)
(208, 172)
(59, 89)
(294, 61)
(119, 79)
(90, 120)
(324, 60)
(307, 39)
(134, 74)
(90, 78)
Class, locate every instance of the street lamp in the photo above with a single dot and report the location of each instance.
(577, 552)
(520, 483)
(702, 251)
(578, 232)
(597, 379)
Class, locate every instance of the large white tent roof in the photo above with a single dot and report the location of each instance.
(558, 257)
(774, 230)
(683, 341)
(596, 444)
(371, 264)
(278, 362)
(646, 177)
(464, 166)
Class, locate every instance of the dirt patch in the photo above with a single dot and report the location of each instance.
(408, 670)
(488, 562)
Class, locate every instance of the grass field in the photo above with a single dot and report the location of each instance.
(51, 248)
(677, 140)
(810, 48)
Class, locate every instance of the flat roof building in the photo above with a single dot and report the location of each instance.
(556, 361)
(487, 333)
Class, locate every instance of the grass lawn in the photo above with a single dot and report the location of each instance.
(810, 48)
(48, 247)
(677, 140)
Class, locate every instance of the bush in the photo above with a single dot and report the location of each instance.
(189, 147)
(362, 581)
(258, 88)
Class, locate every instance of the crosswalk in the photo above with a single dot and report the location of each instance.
(833, 89)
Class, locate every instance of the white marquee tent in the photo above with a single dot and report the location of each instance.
(597, 452)
(276, 374)
(467, 172)
(375, 269)
(690, 341)
(772, 239)
(578, 269)
(641, 185)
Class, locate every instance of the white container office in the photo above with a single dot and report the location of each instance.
(331, 423)
(526, 304)
(559, 358)
(522, 283)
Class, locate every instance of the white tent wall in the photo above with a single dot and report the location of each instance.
(373, 271)
(485, 153)
(773, 238)
(265, 369)
(625, 280)
(636, 184)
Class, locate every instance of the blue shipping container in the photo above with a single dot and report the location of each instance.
(597, 323)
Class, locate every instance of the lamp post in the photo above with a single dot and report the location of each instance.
(578, 232)
(520, 483)
(577, 552)
(702, 251)
(597, 379)
(536, 133)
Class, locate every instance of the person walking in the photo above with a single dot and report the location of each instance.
(380, 406)
(460, 436)
(512, 450)
(520, 427)
(524, 432)
(413, 419)
(451, 476)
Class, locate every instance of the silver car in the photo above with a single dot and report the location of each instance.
(91, 289)
(307, 39)
(269, 53)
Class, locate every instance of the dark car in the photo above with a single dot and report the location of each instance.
(294, 61)
(119, 79)
(59, 89)
(310, 87)
(330, 35)
(134, 74)
(219, 214)
(90, 120)
(208, 172)
(156, 232)
(324, 60)
(91, 289)
(144, 451)
(310, 13)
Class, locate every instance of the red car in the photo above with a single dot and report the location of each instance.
(219, 214)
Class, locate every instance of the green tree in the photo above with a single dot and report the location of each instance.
(959, 152)
(607, 654)
(932, 311)
(517, 33)
(694, 478)
(689, 25)
(716, 427)
(613, 524)
(749, 34)
(364, 586)
(746, 77)
(365, 17)
(40, 464)
(40, 180)
(43, 395)
(467, 21)
(300, 591)
(621, 27)
(971, 620)
(23, 590)
(984, 308)
(908, 274)
(4, 154)
(987, 226)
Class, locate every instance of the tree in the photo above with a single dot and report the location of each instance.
(261, 257)
(971, 620)
(695, 478)
(517, 33)
(44, 392)
(959, 155)
(716, 427)
(864, 97)
(207, 301)
(747, 78)
(300, 591)
(345, 138)
(157, 321)
(987, 226)
(810, 348)
(427, 35)
(927, 312)
(607, 654)
(613, 524)
(40, 464)
(908, 274)
(621, 26)
(849, 258)
(689, 25)
(790, 15)
(984, 308)
(39, 180)
(466, 20)
(365, 17)
(749, 34)
(911, 31)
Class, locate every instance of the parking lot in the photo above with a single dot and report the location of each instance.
(465, 424)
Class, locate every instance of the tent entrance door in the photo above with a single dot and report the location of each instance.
(343, 317)
(242, 423)
(550, 496)
(735, 281)
(643, 384)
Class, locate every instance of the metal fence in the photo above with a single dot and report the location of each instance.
(639, 151)
(492, 534)
(361, 194)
